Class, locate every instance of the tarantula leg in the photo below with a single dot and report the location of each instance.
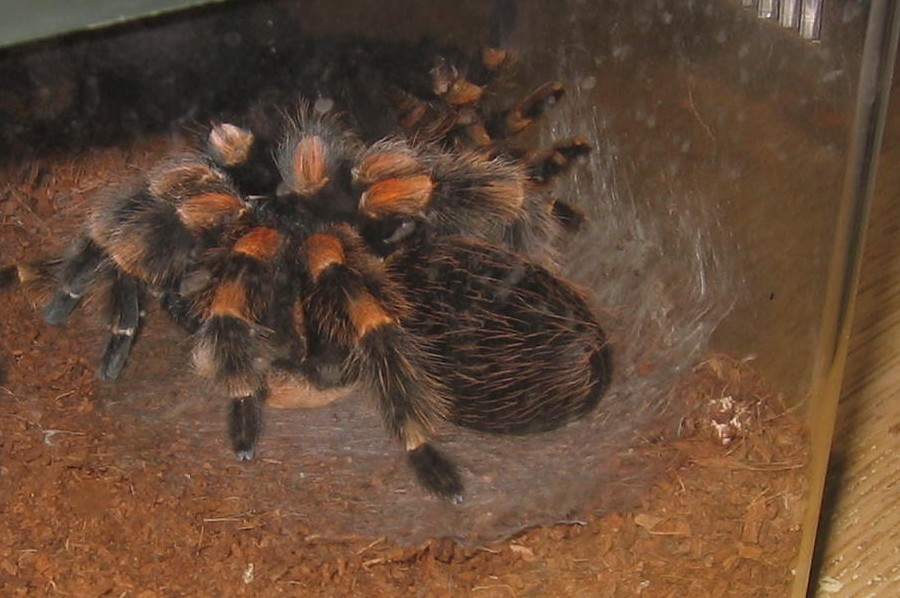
(230, 145)
(527, 110)
(77, 274)
(420, 118)
(310, 154)
(477, 135)
(231, 352)
(544, 167)
(405, 396)
(235, 343)
(181, 311)
(459, 191)
(493, 60)
(450, 85)
(126, 312)
(245, 425)
(180, 305)
(353, 305)
(436, 472)
(244, 156)
(387, 160)
(568, 216)
(493, 57)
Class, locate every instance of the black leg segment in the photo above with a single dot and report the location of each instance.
(126, 316)
(245, 425)
(77, 274)
(436, 473)
(181, 311)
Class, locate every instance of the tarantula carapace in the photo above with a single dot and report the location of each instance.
(422, 271)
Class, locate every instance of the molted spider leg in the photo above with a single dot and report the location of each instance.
(525, 112)
(544, 167)
(451, 85)
(349, 304)
(76, 275)
(422, 119)
(126, 315)
(570, 218)
(489, 63)
(477, 136)
(448, 107)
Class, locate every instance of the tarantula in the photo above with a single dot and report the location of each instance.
(416, 268)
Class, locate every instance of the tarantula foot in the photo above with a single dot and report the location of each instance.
(436, 473)
(245, 425)
(117, 350)
(59, 308)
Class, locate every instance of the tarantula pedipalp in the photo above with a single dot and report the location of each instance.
(361, 268)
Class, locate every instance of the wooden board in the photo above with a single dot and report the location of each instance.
(862, 554)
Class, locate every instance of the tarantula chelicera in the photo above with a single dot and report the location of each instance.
(420, 270)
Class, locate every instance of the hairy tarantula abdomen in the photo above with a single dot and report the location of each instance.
(520, 349)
